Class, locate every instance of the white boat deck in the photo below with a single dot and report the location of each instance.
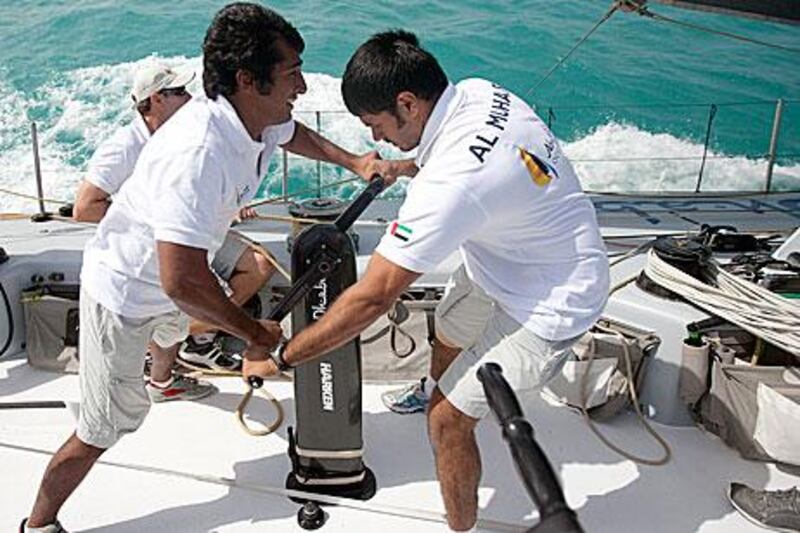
(609, 493)
(214, 477)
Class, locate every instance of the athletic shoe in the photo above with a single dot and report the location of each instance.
(181, 388)
(49, 528)
(210, 355)
(778, 510)
(409, 399)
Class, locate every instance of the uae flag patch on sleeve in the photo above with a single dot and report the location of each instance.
(400, 231)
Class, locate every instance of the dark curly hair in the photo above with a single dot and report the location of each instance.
(385, 65)
(244, 36)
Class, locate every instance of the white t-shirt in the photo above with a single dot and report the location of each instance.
(494, 183)
(114, 160)
(187, 186)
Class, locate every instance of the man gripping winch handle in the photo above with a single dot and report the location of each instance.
(274, 358)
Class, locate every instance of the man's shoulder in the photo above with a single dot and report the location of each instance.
(189, 129)
(124, 138)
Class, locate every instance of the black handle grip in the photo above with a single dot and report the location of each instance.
(537, 474)
(354, 210)
(300, 287)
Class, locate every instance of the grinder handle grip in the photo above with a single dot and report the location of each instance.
(354, 210)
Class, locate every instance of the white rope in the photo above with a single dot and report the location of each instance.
(751, 307)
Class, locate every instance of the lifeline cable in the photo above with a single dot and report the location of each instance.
(358, 505)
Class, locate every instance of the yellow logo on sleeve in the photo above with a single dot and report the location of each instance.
(541, 173)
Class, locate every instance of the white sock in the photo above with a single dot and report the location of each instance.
(49, 528)
(428, 385)
(162, 384)
(203, 338)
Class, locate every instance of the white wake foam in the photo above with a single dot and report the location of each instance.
(624, 158)
(80, 108)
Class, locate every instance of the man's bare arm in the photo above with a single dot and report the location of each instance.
(311, 144)
(91, 203)
(186, 278)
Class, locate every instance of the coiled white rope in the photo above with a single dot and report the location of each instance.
(751, 307)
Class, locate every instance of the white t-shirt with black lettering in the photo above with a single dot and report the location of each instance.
(494, 183)
(189, 182)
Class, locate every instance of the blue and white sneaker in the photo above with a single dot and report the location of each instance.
(409, 399)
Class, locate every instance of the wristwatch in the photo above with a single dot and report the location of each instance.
(277, 355)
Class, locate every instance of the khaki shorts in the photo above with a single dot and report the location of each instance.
(468, 318)
(114, 400)
(224, 263)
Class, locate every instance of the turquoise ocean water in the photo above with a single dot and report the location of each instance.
(631, 105)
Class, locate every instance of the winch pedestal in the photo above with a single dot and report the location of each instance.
(326, 447)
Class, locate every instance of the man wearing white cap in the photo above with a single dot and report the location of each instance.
(158, 92)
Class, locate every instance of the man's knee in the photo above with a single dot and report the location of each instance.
(446, 422)
(253, 263)
(76, 448)
(263, 266)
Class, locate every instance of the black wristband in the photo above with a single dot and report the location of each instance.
(277, 355)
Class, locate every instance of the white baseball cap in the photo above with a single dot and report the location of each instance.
(155, 77)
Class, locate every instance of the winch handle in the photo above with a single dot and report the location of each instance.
(532, 465)
(357, 206)
(300, 288)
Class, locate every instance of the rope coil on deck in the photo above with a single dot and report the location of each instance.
(749, 306)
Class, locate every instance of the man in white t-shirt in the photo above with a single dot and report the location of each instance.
(158, 92)
(492, 182)
(148, 261)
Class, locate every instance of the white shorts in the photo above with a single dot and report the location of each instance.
(468, 318)
(114, 400)
(224, 263)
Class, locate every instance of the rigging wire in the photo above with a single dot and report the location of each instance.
(582, 40)
(635, 6)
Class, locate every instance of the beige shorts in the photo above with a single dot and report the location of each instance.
(468, 318)
(224, 263)
(114, 400)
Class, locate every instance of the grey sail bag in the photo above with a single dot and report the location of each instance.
(755, 409)
(601, 369)
(51, 326)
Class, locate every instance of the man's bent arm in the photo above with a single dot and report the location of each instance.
(186, 278)
(353, 311)
(310, 144)
(91, 203)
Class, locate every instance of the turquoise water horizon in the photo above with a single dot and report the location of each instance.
(636, 90)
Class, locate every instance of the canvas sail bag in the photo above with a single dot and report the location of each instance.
(755, 409)
(51, 326)
(607, 385)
